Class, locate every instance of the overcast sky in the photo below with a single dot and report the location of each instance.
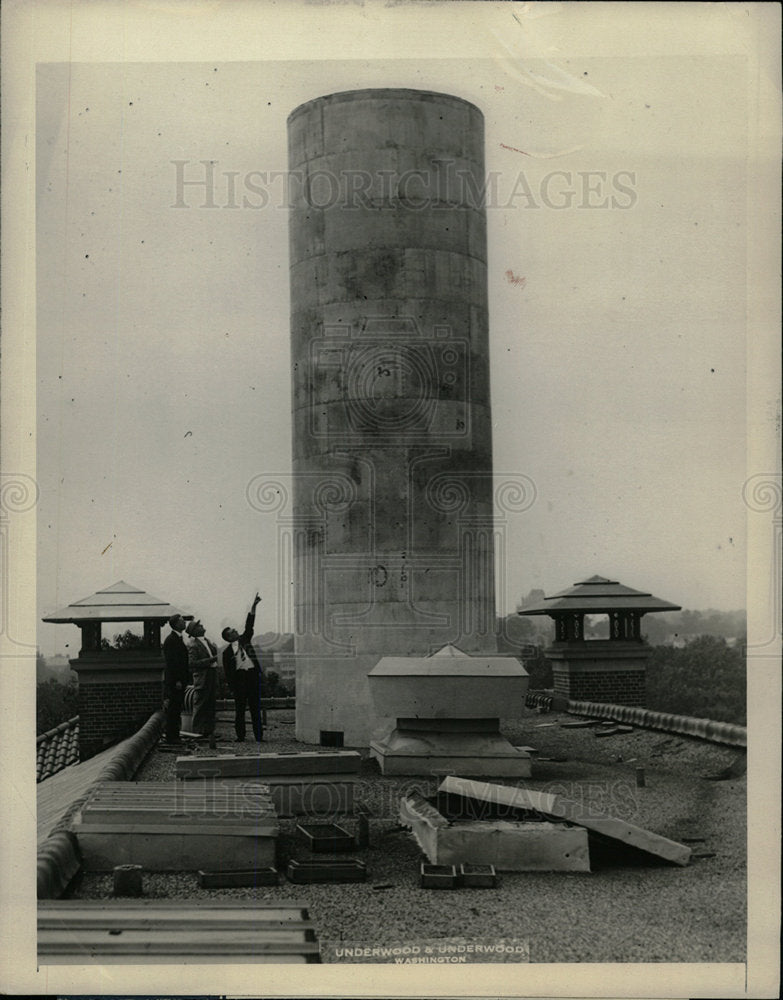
(617, 321)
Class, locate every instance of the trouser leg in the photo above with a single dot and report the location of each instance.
(240, 701)
(200, 703)
(254, 700)
(173, 714)
(210, 702)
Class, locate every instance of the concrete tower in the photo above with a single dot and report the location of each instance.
(392, 441)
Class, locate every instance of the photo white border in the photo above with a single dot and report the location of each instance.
(136, 31)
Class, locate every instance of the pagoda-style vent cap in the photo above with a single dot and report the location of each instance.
(121, 602)
(598, 595)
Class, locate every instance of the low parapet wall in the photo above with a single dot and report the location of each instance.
(58, 861)
(58, 855)
(704, 729)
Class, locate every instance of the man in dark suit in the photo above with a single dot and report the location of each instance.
(243, 674)
(175, 676)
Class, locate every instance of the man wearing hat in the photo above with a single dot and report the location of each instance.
(202, 656)
(175, 676)
(243, 674)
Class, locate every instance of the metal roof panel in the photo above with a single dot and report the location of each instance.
(599, 595)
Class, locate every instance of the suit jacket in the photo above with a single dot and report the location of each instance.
(198, 657)
(175, 653)
(229, 658)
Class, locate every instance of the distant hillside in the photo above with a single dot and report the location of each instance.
(684, 625)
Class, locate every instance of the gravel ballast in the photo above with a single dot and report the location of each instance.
(650, 913)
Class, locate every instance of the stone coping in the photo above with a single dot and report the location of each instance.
(58, 855)
(705, 729)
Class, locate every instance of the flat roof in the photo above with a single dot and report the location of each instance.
(622, 912)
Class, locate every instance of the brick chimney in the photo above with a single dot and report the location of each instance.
(611, 670)
(118, 688)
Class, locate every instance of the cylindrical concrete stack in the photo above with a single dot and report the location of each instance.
(393, 497)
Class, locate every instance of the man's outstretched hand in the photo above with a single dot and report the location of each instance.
(256, 599)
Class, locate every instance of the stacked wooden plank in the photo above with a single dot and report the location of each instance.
(300, 783)
(172, 826)
(185, 931)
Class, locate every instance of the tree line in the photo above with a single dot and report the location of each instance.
(705, 678)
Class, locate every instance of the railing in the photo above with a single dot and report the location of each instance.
(57, 749)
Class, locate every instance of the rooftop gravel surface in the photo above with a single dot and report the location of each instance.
(694, 793)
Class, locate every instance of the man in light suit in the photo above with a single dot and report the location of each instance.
(202, 656)
(243, 674)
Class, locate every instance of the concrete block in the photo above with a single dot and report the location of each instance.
(556, 806)
(165, 827)
(448, 687)
(509, 846)
(260, 766)
(496, 767)
(332, 694)
(169, 848)
(449, 696)
(326, 797)
(465, 753)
